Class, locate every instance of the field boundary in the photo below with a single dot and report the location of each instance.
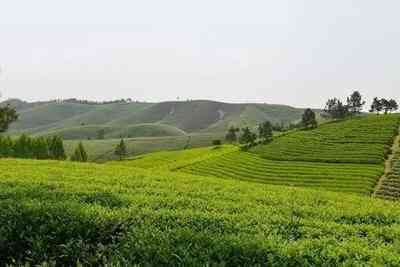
(388, 163)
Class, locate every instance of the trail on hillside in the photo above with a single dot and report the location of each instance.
(388, 163)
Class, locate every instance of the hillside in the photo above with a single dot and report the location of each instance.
(82, 119)
(102, 215)
(345, 156)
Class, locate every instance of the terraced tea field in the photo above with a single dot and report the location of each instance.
(171, 160)
(358, 140)
(389, 187)
(344, 177)
(62, 214)
(343, 156)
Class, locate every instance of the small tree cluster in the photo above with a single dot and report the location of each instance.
(121, 150)
(231, 136)
(335, 108)
(384, 105)
(265, 132)
(247, 137)
(309, 120)
(7, 116)
(216, 142)
(80, 154)
(32, 148)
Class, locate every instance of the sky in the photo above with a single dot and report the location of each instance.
(295, 52)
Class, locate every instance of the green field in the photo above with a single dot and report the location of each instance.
(343, 177)
(174, 160)
(355, 169)
(358, 140)
(103, 150)
(390, 188)
(91, 131)
(63, 213)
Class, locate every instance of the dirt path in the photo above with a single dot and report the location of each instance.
(388, 163)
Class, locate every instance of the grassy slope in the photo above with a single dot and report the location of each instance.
(333, 169)
(102, 150)
(172, 160)
(358, 140)
(138, 130)
(189, 116)
(61, 212)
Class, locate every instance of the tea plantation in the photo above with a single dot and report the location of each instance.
(66, 214)
(344, 156)
(357, 140)
(344, 177)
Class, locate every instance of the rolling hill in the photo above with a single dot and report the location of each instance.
(78, 120)
(345, 156)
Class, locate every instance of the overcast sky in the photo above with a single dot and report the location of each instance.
(297, 52)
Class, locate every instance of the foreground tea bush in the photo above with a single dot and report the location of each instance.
(63, 213)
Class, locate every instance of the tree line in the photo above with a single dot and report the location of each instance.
(336, 109)
(32, 148)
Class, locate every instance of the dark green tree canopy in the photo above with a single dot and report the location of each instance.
(80, 154)
(121, 150)
(265, 131)
(7, 116)
(355, 103)
(394, 106)
(309, 119)
(231, 136)
(376, 105)
(247, 137)
(335, 109)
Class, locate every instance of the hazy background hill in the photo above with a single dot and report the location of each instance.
(77, 120)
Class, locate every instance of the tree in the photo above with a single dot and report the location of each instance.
(216, 142)
(7, 116)
(376, 106)
(80, 154)
(393, 105)
(231, 136)
(56, 148)
(265, 131)
(309, 119)
(23, 147)
(40, 148)
(385, 105)
(247, 137)
(335, 109)
(6, 147)
(120, 150)
(355, 103)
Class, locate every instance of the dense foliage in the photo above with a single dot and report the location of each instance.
(127, 216)
(7, 116)
(32, 148)
(309, 120)
(80, 154)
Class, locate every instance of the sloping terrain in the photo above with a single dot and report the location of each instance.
(357, 140)
(389, 185)
(67, 214)
(103, 150)
(110, 132)
(307, 158)
(186, 116)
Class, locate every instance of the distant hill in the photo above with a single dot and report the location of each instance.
(82, 120)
